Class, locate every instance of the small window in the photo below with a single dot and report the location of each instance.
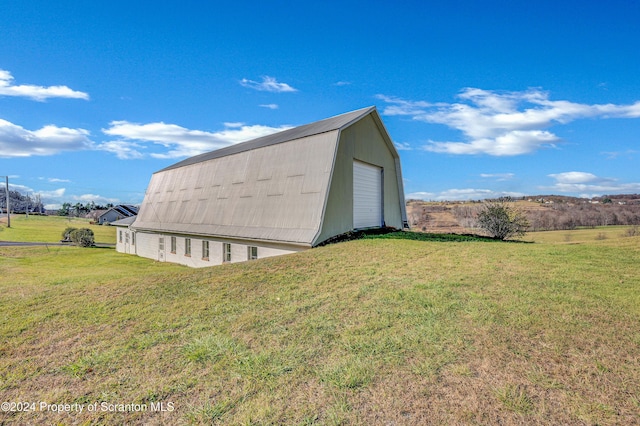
(120, 235)
(126, 238)
(252, 253)
(187, 246)
(226, 252)
(173, 245)
(133, 238)
(161, 244)
(205, 250)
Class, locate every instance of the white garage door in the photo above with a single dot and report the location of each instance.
(367, 195)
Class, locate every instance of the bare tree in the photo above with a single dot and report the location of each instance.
(502, 220)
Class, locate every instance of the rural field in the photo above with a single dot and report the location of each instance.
(403, 329)
(49, 229)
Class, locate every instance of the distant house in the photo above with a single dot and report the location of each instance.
(118, 212)
(274, 195)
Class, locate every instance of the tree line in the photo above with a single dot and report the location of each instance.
(562, 216)
(23, 203)
(19, 203)
(79, 209)
(565, 217)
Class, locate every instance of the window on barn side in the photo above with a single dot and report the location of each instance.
(187, 246)
(205, 250)
(252, 252)
(226, 252)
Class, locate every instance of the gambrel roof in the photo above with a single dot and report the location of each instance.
(273, 188)
(322, 126)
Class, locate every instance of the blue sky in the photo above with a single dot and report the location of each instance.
(481, 98)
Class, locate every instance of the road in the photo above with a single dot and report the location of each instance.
(26, 243)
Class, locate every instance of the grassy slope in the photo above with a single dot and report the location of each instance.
(373, 331)
(49, 229)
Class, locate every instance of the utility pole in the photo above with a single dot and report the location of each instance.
(7, 193)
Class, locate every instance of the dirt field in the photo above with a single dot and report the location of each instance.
(439, 217)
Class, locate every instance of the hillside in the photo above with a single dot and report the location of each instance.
(376, 331)
(545, 212)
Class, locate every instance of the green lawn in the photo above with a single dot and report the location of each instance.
(374, 331)
(48, 229)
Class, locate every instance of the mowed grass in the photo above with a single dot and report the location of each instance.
(374, 331)
(48, 229)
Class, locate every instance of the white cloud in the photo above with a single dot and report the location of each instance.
(500, 177)
(461, 195)
(53, 199)
(87, 198)
(124, 150)
(342, 83)
(588, 183)
(612, 155)
(55, 180)
(421, 195)
(16, 141)
(502, 123)
(180, 141)
(574, 177)
(38, 93)
(517, 142)
(269, 106)
(15, 187)
(53, 194)
(402, 146)
(402, 107)
(268, 84)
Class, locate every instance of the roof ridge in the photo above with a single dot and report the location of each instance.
(321, 126)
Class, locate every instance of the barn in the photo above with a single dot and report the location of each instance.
(274, 195)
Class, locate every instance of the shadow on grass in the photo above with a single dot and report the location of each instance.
(423, 236)
(391, 233)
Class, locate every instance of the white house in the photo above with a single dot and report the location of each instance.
(274, 195)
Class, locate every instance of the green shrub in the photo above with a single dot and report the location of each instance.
(82, 237)
(66, 234)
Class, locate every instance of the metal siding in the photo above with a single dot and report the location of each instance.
(370, 147)
(284, 207)
(367, 195)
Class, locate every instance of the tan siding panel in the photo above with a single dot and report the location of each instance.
(283, 205)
